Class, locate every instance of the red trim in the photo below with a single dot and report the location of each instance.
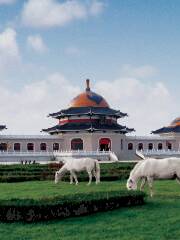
(76, 121)
(104, 141)
(61, 122)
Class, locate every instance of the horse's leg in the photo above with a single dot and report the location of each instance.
(90, 177)
(95, 175)
(143, 183)
(71, 178)
(150, 183)
(75, 177)
(97, 172)
(178, 179)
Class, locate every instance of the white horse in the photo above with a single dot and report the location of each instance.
(74, 165)
(151, 169)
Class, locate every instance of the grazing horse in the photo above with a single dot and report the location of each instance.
(151, 169)
(74, 165)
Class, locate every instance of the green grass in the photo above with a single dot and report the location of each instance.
(45, 189)
(158, 219)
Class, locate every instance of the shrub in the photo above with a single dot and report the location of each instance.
(30, 210)
(18, 173)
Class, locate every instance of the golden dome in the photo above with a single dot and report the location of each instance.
(88, 99)
(176, 122)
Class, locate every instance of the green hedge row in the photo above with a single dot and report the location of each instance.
(29, 210)
(81, 177)
(10, 179)
(18, 173)
(52, 166)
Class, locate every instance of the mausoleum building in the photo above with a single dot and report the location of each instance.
(90, 124)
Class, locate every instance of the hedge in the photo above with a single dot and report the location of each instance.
(30, 210)
(18, 173)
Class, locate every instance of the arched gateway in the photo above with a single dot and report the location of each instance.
(104, 144)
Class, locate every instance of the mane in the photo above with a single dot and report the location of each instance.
(62, 159)
(136, 167)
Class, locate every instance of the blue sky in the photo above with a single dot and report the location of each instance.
(128, 44)
(126, 32)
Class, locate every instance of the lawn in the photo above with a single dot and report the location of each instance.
(158, 219)
(45, 189)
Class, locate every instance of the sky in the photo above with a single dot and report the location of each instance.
(128, 49)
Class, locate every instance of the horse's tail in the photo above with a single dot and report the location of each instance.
(97, 171)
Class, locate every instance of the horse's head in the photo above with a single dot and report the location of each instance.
(131, 184)
(57, 177)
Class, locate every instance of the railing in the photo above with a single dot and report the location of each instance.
(28, 153)
(160, 152)
(81, 153)
(55, 153)
(45, 157)
(104, 155)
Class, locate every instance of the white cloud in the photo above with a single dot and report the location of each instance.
(149, 106)
(139, 72)
(25, 111)
(36, 43)
(7, 1)
(50, 13)
(9, 50)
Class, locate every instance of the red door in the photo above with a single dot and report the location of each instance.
(104, 144)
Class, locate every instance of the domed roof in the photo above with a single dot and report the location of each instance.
(175, 122)
(88, 99)
(174, 127)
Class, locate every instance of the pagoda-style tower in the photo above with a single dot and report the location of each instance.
(88, 112)
(172, 129)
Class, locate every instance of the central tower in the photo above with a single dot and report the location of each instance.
(89, 116)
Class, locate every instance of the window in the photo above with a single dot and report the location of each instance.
(3, 147)
(150, 146)
(77, 144)
(17, 147)
(140, 146)
(169, 146)
(160, 146)
(130, 146)
(43, 147)
(55, 146)
(30, 146)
